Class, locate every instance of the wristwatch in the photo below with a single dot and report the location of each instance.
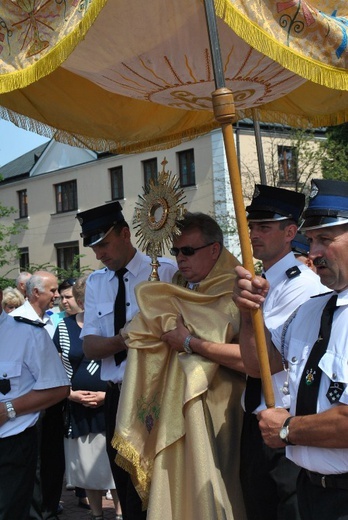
(11, 412)
(186, 344)
(284, 431)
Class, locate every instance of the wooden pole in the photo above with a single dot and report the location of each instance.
(223, 105)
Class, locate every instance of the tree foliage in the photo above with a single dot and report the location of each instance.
(308, 154)
(335, 160)
(74, 271)
(8, 250)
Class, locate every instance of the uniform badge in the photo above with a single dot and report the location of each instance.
(314, 191)
(335, 391)
(293, 272)
(256, 192)
(310, 376)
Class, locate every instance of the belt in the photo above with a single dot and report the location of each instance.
(112, 385)
(339, 481)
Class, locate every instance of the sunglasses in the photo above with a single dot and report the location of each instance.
(187, 250)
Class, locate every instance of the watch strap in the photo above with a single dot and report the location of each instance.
(11, 412)
(186, 344)
(286, 425)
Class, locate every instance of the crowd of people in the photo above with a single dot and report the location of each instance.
(151, 391)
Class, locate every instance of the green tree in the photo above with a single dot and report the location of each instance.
(307, 156)
(335, 160)
(8, 250)
(74, 270)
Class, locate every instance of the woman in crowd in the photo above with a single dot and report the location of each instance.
(11, 299)
(85, 453)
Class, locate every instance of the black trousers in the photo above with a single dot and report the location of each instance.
(268, 478)
(318, 503)
(18, 457)
(50, 464)
(129, 498)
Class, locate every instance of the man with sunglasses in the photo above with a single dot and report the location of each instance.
(268, 478)
(184, 419)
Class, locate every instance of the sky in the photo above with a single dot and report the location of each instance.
(15, 142)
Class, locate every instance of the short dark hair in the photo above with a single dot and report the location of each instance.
(209, 228)
(119, 226)
(288, 222)
(66, 284)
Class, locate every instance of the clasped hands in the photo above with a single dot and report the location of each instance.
(87, 398)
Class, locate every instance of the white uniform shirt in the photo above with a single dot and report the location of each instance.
(300, 337)
(30, 361)
(101, 291)
(27, 311)
(284, 296)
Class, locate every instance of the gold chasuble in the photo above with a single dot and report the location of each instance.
(179, 418)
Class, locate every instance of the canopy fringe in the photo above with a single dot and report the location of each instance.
(167, 141)
(259, 39)
(55, 57)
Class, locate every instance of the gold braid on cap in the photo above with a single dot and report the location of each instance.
(156, 214)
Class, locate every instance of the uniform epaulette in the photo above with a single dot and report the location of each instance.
(293, 272)
(322, 294)
(29, 322)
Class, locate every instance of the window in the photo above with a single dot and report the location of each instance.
(116, 175)
(66, 196)
(287, 164)
(65, 254)
(23, 203)
(187, 168)
(150, 171)
(23, 258)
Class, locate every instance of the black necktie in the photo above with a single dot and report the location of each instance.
(252, 397)
(120, 312)
(308, 390)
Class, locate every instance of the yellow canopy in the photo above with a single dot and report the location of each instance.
(126, 75)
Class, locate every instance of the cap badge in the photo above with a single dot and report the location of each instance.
(314, 191)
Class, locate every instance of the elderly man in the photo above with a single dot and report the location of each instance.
(42, 290)
(313, 347)
(21, 282)
(179, 421)
(109, 303)
(32, 378)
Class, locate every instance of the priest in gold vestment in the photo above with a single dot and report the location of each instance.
(179, 417)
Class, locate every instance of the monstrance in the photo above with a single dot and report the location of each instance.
(156, 214)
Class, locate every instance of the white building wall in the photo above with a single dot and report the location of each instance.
(46, 227)
(211, 194)
(223, 201)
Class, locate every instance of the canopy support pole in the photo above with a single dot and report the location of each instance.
(224, 111)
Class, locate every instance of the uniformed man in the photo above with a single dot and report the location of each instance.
(42, 291)
(32, 378)
(109, 302)
(313, 345)
(268, 478)
(300, 248)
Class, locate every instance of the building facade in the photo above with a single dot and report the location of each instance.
(50, 185)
